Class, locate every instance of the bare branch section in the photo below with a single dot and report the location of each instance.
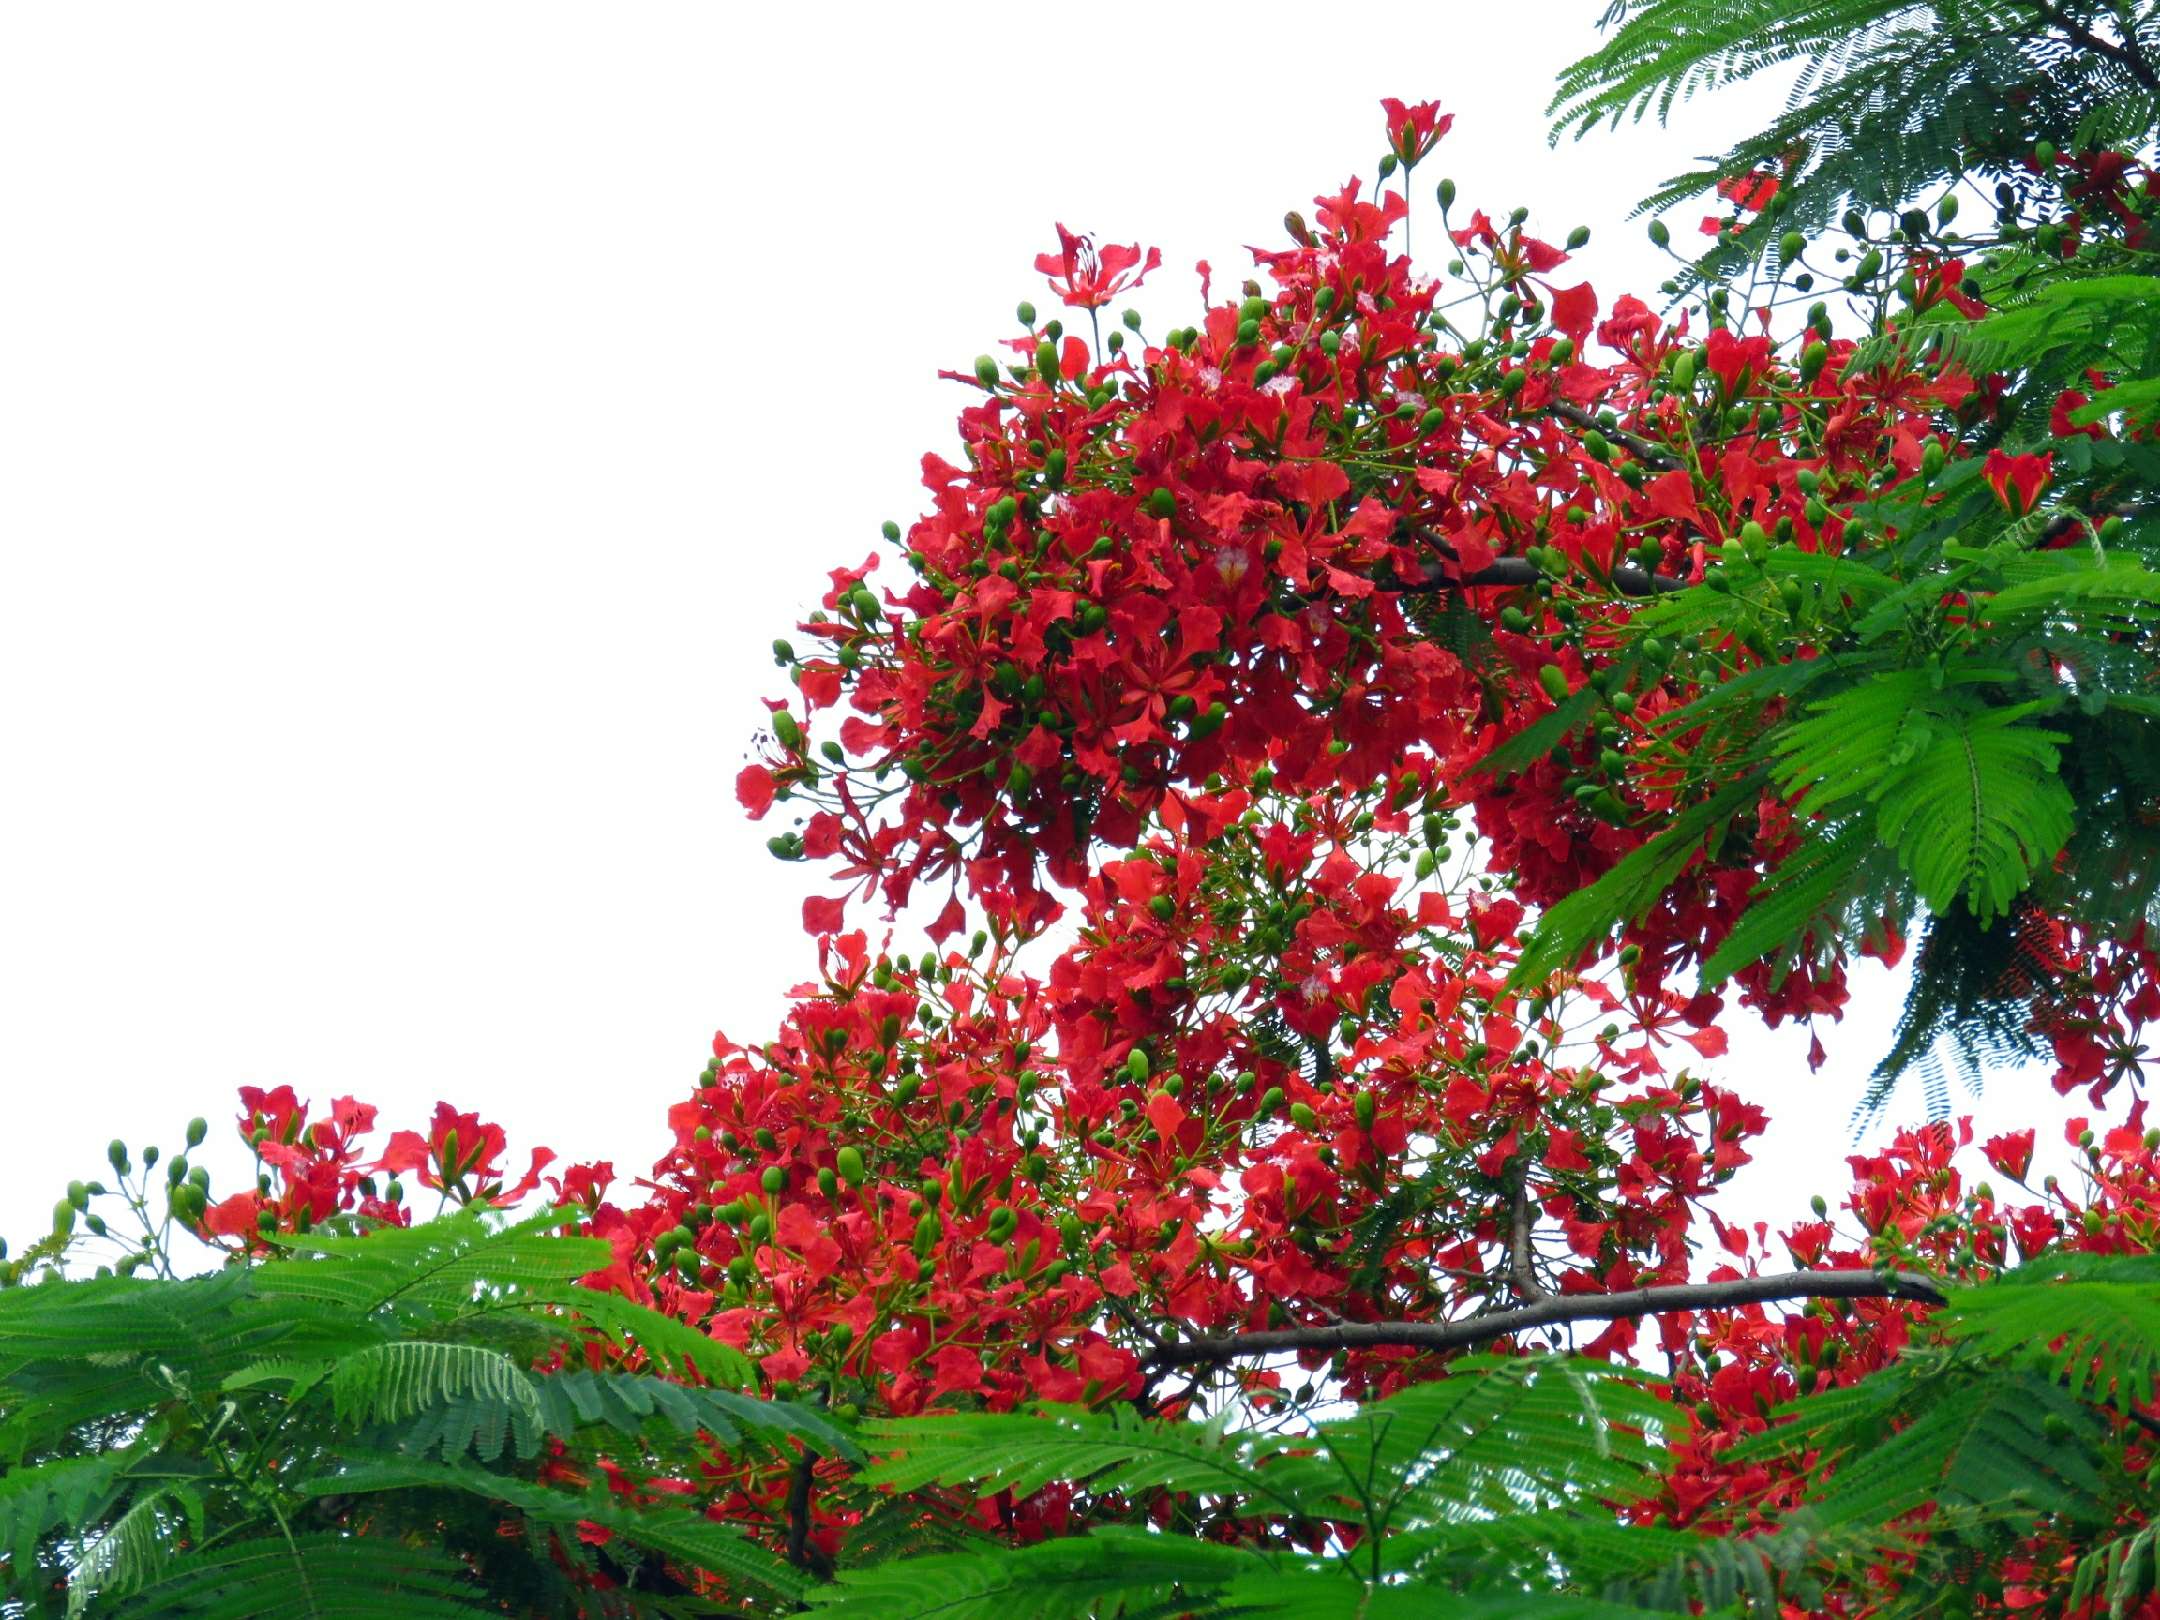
(1551, 1311)
(1627, 579)
(1646, 452)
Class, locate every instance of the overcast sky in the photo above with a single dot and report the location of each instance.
(416, 421)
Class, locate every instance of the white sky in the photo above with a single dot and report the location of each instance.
(416, 420)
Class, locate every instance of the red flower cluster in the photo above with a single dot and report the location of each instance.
(309, 1172)
(1282, 666)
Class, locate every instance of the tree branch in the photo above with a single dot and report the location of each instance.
(1627, 579)
(1655, 455)
(799, 1551)
(1522, 1263)
(1551, 1310)
(2127, 53)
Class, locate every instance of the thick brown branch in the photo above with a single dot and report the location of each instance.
(1627, 579)
(1550, 1311)
(1655, 455)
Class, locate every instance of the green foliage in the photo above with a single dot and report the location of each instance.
(1888, 100)
(1470, 1484)
(1966, 794)
(1501, 1488)
(2014, 1424)
(204, 1445)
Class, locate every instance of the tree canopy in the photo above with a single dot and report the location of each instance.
(1352, 757)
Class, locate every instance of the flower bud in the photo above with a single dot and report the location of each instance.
(196, 1131)
(1026, 312)
(986, 371)
(1659, 235)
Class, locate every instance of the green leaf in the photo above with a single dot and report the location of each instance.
(1065, 1578)
(1587, 916)
(1967, 795)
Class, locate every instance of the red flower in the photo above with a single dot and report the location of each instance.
(1749, 191)
(754, 787)
(1413, 130)
(1092, 279)
(459, 1157)
(2010, 1153)
(2018, 480)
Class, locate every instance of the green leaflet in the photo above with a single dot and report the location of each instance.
(673, 1532)
(1066, 1578)
(317, 1577)
(1539, 738)
(2095, 1322)
(1586, 917)
(1808, 883)
(1966, 794)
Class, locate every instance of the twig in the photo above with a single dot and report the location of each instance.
(1553, 1309)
